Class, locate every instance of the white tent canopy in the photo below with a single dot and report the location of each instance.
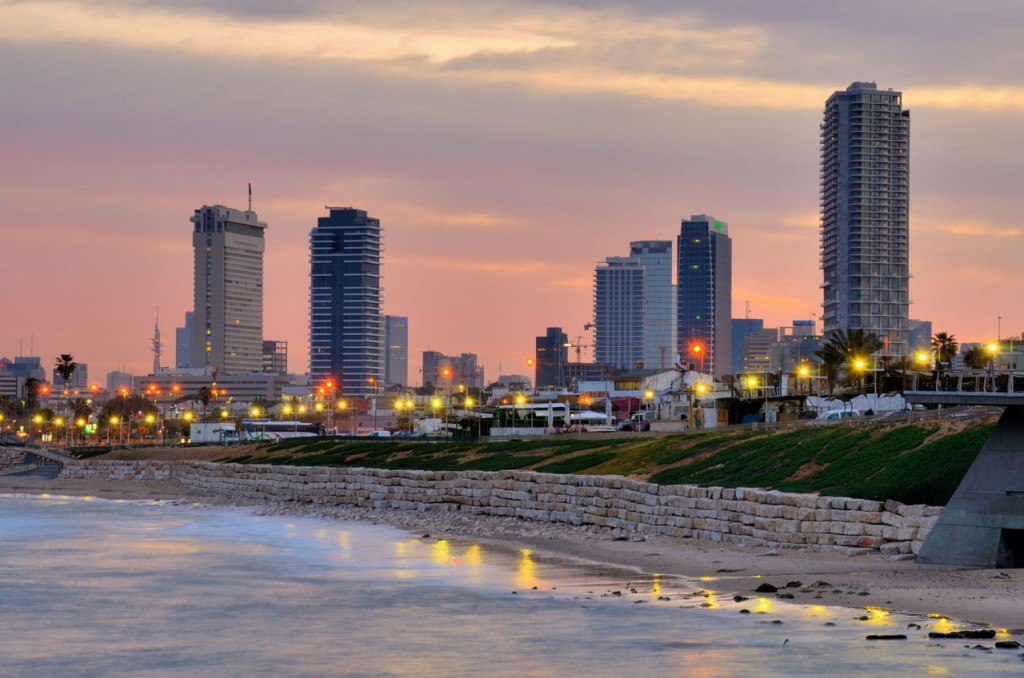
(588, 416)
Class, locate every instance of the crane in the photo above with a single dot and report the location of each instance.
(579, 346)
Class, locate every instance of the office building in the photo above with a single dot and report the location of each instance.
(865, 172)
(183, 341)
(275, 356)
(552, 355)
(919, 336)
(227, 333)
(117, 380)
(619, 305)
(346, 327)
(741, 327)
(659, 321)
(704, 294)
(396, 350)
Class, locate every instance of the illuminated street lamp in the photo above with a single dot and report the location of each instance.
(993, 349)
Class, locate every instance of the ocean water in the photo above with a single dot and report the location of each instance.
(102, 588)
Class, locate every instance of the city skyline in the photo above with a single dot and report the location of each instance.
(508, 148)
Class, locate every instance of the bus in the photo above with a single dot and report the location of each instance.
(254, 430)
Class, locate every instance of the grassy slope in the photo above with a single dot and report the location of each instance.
(911, 463)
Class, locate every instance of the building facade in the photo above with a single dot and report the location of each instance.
(552, 356)
(704, 294)
(659, 304)
(396, 350)
(79, 380)
(183, 341)
(465, 371)
(275, 356)
(227, 333)
(346, 327)
(865, 226)
(619, 305)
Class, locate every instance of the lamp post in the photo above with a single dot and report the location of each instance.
(520, 399)
(648, 397)
(993, 349)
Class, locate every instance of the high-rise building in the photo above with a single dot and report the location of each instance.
(619, 305)
(919, 336)
(659, 304)
(346, 327)
(227, 332)
(704, 294)
(741, 327)
(396, 350)
(275, 356)
(183, 342)
(552, 355)
(865, 226)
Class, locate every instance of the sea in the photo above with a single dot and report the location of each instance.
(92, 587)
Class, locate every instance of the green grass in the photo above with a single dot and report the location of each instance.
(576, 464)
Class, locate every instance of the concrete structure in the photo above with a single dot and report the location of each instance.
(227, 333)
(24, 367)
(275, 356)
(659, 312)
(983, 523)
(757, 352)
(396, 350)
(183, 341)
(11, 385)
(704, 294)
(919, 336)
(619, 305)
(741, 327)
(552, 355)
(230, 388)
(346, 327)
(865, 173)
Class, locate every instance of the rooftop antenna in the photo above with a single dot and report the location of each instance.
(157, 344)
(250, 196)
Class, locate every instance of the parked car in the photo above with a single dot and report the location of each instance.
(836, 415)
(635, 423)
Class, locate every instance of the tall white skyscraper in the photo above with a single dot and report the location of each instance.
(865, 222)
(228, 314)
(619, 304)
(659, 305)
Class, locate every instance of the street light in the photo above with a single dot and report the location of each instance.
(992, 350)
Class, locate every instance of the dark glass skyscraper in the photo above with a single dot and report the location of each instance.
(704, 294)
(865, 224)
(346, 328)
(552, 357)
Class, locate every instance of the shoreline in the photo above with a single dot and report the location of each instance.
(970, 596)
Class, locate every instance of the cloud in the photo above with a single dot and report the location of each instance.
(974, 228)
(508, 266)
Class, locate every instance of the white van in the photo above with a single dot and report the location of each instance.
(836, 415)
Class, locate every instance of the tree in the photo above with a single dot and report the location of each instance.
(66, 367)
(977, 358)
(205, 395)
(945, 347)
(842, 347)
(31, 394)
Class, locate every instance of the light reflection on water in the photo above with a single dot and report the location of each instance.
(107, 589)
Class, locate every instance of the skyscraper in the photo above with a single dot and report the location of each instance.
(619, 305)
(346, 328)
(659, 306)
(704, 294)
(865, 227)
(552, 356)
(228, 314)
(396, 350)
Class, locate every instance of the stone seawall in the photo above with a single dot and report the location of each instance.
(743, 516)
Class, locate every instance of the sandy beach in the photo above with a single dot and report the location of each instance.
(979, 596)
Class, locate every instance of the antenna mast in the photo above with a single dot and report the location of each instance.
(250, 196)
(157, 344)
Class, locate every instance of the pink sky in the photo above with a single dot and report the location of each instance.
(506, 147)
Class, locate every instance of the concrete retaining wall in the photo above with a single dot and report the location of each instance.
(743, 516)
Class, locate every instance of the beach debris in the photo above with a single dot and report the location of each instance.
(534, 588)
(426, 536)
(970, 634)
(830, 623)
(864, 593)
(863, 617)
(744, 611)
(1007, 644)
(912, 625)
(1001, 575)
(515, 593)
(785, 642)
(644, 601)
(786, 596)
(775, 621)
(886, 636)
(822, 584)
(739, 599)
(730, 569)
(981, 647)
(707, 604)
(794, 584)
(620, 538)
(664, 598)
(766, 588)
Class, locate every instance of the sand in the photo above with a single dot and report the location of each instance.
(974, 595)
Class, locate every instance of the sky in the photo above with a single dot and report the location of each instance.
(506, 146)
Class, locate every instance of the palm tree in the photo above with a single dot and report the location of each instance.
(944, 346)
(843, 347)
(65, 367)
(977, 358)
(205, 395)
